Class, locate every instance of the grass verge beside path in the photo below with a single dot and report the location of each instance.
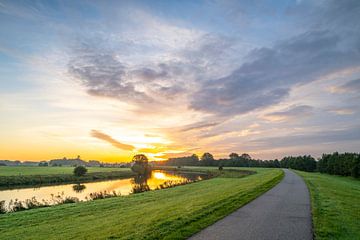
(174, 213)
(335, 204)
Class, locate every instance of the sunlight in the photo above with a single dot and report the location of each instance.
(159, 175)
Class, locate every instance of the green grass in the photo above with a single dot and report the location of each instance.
(20, 176)
(335, 204)
(21, 170)
(174, 213)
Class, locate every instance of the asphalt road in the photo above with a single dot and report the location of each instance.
(281, 213)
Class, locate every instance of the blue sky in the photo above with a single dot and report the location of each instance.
(171, 78)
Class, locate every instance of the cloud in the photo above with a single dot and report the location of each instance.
(292, 113)
(109, 139)
(149, 74)
(342, 111)
(351, 86)
(200, 125)
(102, 74)
(320, 137)
(174, 155)
(269, 74)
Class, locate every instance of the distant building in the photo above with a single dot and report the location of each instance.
(67, 162)
(9, 163)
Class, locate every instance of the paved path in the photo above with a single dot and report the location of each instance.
(281, 213)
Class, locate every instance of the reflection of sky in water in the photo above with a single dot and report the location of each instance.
(123, 186)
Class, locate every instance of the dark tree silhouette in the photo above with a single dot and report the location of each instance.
(80, 171)
(140, 164)
(207, 159)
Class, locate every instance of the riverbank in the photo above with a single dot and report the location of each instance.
(25, 177)
(173, 213)
(22, 177)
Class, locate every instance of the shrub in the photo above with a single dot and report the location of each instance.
(103, 195)
(80, 171)
(2, 207)
(78, 188)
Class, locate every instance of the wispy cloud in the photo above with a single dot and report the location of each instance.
(342, 111)
(351, 86)
(198, 126)
(109, 139)
(294, 112)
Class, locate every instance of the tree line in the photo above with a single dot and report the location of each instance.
(345, 164)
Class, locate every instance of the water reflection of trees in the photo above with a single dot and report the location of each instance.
(139, 183)
(78, 188)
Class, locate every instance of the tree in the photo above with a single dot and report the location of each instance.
(234, 156)
(192, 160)
(140, 164)
(207, 159)
(43, 164)
(80, 171)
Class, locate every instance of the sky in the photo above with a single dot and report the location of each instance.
(109, 79)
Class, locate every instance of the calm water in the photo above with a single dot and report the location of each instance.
(123, 187)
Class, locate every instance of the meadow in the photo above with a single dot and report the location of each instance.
(173, 213)
(23, 170)
(20, 176)
(335, 204)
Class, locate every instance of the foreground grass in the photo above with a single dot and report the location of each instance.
(23, 170)
(335, 205)
(174, 213)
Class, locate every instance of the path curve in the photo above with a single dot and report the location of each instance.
(281, 213)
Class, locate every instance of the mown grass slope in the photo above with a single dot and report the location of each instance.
(174, 213)
(335, 205)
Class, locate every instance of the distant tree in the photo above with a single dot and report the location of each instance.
(140, 164)
(43, 164)
(234, 156)
(344, 164)
(276, 163)
(80, 171)
(207, 159)
(192, 160)
(303, 163)
(246, 156)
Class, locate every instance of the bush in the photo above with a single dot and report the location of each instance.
(80, 171)
(2, 207)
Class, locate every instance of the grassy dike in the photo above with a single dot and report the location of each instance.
(20, 176)
(335, 204)
(174, 213)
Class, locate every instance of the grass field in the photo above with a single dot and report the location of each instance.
(20, 176)
(335, 205)
(21, 170)
(174, 213)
